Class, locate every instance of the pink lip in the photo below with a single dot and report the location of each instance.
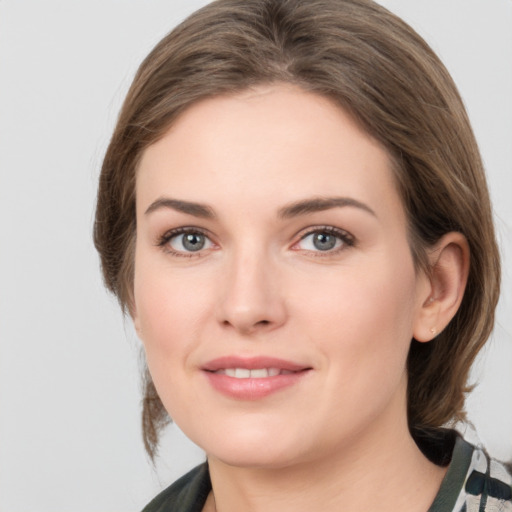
(252, 363)
(252, 388)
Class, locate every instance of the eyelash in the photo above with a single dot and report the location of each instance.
(164, 240)
(347, 240)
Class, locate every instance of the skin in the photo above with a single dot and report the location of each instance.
(260, 286)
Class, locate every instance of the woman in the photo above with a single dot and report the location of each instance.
(293, 211)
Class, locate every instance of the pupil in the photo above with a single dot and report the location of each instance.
(193, 242)
(324, 241)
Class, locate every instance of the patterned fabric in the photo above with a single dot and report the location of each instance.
(487, 487)
(473, 483)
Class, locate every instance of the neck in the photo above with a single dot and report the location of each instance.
(382, 470)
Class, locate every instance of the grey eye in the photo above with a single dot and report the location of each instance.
(189, 242)
(324, 241)
(321, 241)
(193, 241)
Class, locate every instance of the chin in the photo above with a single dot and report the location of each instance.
(252, 446)
(254, 457)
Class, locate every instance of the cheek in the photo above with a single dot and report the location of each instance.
(167, 316)
(168, 309)
(364, 317)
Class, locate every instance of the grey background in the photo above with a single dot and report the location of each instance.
(69, 387)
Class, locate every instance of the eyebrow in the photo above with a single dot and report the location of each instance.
(195, 209)
(319, 204)
(302, 207)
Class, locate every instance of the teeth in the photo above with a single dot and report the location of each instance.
(258, 373)
(242, 373)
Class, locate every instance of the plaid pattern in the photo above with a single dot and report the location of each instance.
(473, 483)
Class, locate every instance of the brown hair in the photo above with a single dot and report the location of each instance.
(374, 66)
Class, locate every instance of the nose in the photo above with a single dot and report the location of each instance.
(252, 298)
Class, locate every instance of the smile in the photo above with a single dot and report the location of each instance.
(257, 373)
(254, 378)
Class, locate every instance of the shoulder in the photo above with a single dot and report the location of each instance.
(474, 482)
(188, 494)
(488, 485)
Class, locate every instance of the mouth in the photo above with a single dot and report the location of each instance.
(257, 373)
(253, 378)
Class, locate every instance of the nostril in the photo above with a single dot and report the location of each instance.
(249, 326)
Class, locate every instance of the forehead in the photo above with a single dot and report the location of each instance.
(272, 144)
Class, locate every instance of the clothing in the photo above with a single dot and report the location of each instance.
(473, 483)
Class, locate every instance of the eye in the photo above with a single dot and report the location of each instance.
(327, 239)
(185, 242)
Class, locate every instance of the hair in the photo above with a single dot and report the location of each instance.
(378, 69)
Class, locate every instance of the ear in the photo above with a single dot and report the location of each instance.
(449, 268)
(136, 324)
(132, 311)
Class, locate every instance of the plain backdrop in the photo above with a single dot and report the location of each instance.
(69, 386)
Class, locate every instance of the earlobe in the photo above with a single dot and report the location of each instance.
(135, 318)
(137, 326)
(449, 268)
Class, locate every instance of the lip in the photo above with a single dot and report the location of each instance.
(253, 388)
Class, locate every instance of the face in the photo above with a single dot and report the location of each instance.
(275, 291)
